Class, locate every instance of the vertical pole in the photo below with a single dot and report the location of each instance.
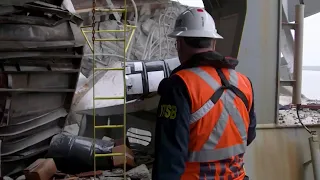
(298, 53)
(315, 155)
(125, 90)
(0, 158)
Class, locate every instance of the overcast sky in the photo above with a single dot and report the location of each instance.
(311, 53)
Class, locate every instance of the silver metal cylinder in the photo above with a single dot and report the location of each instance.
(298, 51)
(315, 155)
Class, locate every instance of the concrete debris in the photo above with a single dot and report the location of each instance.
(72, 129)
(140, 172)
(105, 138)
(113, 173)
(308, 116)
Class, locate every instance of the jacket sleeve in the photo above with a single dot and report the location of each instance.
(172, 130)
(253, 121)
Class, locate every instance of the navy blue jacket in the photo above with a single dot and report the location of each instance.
(172, 133)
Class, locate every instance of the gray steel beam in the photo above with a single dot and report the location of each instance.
(312, 7)
(286, 41)
(260, 50)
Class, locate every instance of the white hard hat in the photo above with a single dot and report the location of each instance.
(195, 22)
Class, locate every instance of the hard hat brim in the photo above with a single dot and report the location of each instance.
(194, 33)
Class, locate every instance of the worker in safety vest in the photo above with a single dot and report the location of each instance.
(206, 117)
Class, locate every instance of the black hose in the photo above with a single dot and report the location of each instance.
(298, 107)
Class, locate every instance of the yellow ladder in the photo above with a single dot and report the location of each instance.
(126, 28)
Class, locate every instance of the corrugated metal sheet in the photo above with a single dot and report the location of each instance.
(40, 59)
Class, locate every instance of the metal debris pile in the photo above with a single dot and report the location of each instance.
(40, 60)
(70, 157)
(148, 43)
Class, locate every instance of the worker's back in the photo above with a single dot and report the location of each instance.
(205, 115)
(221, 99)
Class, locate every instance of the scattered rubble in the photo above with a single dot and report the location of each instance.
(139, 173)
(72, 129)
(61, 151)
(309, 114)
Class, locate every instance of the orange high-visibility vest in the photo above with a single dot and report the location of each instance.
(221, 100)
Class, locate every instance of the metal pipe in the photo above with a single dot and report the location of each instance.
(298, 53)
(315, 155)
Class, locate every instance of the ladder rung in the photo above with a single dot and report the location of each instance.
(108, 155)
(111, 10)
(287, 82)
(83, 27)
(131, 26)
(108, 69)
(291, 25)
(109, 40)
(107, 31)
(108, 98)
(109, 126)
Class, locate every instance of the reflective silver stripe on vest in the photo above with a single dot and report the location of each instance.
(209, 104)
(208, 151)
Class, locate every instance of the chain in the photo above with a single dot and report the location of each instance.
(93, 21)
(93, 61)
